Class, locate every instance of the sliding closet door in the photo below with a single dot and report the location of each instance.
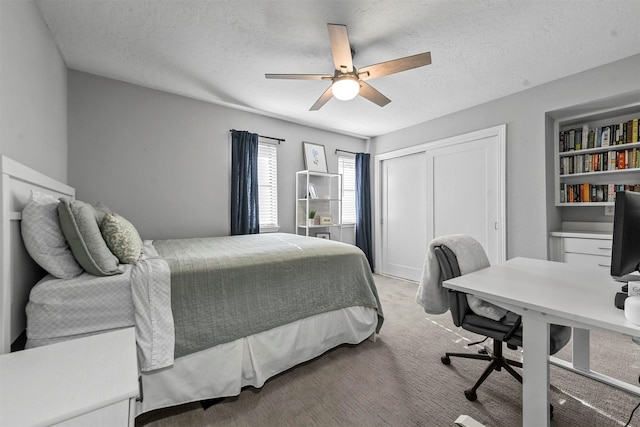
(464, 187)
(404, 209)
(445, 187)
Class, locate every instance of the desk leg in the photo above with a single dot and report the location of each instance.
(581, 348)
(581, 363)
(535, 378)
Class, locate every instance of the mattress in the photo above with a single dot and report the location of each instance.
(59, 308)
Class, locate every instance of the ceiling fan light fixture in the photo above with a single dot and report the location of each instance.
(345, 88)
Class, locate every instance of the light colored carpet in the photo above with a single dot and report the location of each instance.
(399, 380)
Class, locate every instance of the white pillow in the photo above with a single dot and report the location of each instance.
(43, 237)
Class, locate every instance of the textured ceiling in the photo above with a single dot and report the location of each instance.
(219, 51)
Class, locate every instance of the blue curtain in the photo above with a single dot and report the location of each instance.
(244, 183)
(363, 207)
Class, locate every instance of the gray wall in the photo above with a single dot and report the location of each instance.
(530, 208)
(163, 160)
(33, 91)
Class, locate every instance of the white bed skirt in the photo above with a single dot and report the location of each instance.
(223, 370)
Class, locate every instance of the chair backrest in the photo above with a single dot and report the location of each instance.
(449, 269)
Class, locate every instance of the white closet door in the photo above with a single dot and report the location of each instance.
(404, 212)
(452, 186)
(464, 186)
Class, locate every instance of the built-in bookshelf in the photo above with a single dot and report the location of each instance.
(597, 154)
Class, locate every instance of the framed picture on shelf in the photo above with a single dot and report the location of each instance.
(326, 220)
(315, 158)
(312, 192)
(324, 236)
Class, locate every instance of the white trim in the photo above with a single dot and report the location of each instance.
(499, 131)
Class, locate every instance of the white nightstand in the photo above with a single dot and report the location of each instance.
(87, 381)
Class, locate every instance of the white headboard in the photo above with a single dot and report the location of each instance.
(17, 270)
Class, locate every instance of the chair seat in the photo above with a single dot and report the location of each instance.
(492, 328)
(559, 336)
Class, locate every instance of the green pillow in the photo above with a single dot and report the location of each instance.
(80, 228)
(122, 238)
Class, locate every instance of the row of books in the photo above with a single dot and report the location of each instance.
(584, 137)
(598, 162)
(586, 193)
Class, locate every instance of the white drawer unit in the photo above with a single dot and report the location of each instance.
(90, 381)
(582, 248)
(589, 246)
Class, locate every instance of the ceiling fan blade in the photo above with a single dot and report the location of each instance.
(367, 91)
(394, 66)
(326, 96)
(300, 76)
(340, 47)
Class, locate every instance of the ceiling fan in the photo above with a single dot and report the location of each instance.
(347, 82)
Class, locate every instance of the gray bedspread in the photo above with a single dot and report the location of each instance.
(225, 288)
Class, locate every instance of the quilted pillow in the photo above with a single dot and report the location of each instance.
(44, 239)
(79, 225)
(122, 238)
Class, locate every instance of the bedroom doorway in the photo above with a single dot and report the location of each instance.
(455, 185)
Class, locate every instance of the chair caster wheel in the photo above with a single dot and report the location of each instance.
(445, 360)
(470, 395)
(483, 351)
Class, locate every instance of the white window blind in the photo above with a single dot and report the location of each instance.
(268, 185)
(347, 168)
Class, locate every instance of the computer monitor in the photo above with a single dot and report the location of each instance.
(625, 252)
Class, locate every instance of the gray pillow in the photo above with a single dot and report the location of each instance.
(122, 238)
(79, 225)
(100, 209)
(43, 238)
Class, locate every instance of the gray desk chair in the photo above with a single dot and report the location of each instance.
(507, 330)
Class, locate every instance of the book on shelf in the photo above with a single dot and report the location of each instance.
(604, 136)
(585, 192)
(593, 193)
(591, 139)
(600, 162)
(613, 160)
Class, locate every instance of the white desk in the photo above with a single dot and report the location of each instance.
(546, 292)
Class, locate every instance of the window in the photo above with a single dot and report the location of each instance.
(347, 168)
(268, 186)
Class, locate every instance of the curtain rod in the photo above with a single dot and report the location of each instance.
(267, 137)
(345, 151)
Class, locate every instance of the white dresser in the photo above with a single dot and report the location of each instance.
(589, 246)
(90, 381)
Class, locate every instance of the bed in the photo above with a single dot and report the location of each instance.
(212, 315)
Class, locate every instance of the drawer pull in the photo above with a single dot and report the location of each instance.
(606, 249)
(604, 265)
